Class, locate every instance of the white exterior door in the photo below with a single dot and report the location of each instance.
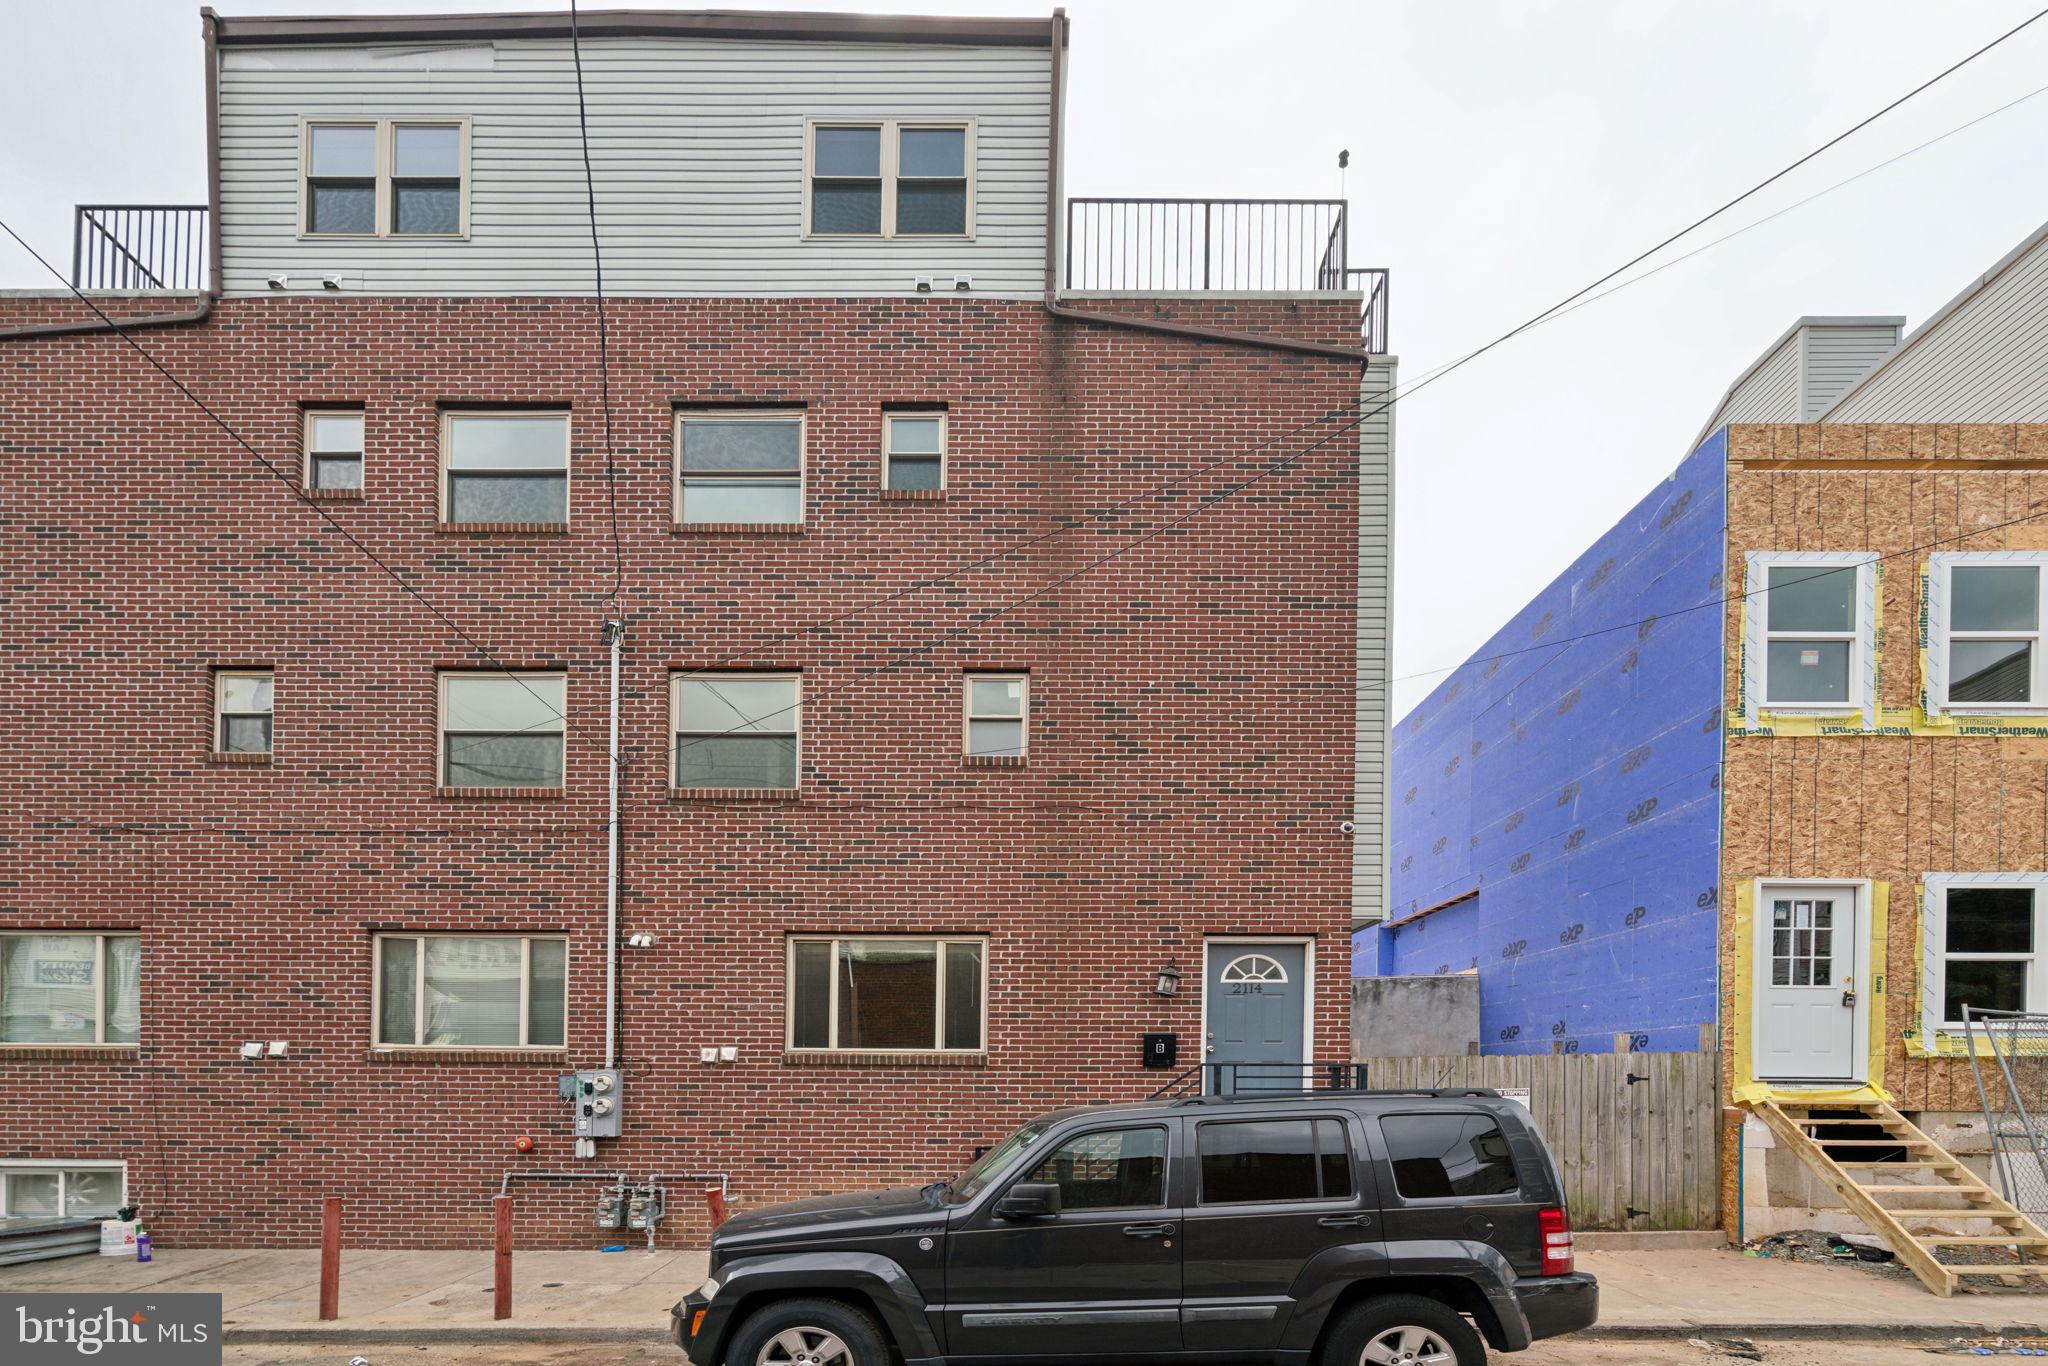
(1809, 982)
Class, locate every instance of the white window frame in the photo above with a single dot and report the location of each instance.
(419, 991)
(1940, 597)
(99, 977)
(890, 416)
(1935, 887)
(892, 155)
(1862, 640)
(386, 141)
(451, 416)
(969, 716)
(524, 676)
(795, 713)
(832, 992)
(220, 712)
(37, 1166)
(308, 450)
(685, 416)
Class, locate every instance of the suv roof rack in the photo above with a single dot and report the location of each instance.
(1342, 1093)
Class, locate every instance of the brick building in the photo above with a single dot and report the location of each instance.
(1003, 629)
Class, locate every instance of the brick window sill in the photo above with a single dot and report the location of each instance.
(528, 794)
(734, 794)
(994, 761)
(737, 528)
(334, 495)
(503, 528)
(469, 1057)
(30, 1052)
(802, 1058)
(239, 759)
(913, 495)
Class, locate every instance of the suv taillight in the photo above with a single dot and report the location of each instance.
(1556, 1226)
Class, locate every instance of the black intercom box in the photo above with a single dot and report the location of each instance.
(1161, 1050)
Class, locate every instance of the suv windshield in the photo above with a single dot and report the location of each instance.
(991, 1163)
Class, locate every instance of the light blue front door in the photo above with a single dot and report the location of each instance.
(1255, 1020)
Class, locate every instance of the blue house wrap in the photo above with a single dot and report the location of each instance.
(1570, 793)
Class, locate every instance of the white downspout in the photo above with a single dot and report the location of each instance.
(615, 633)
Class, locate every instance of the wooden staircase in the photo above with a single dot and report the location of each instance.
(1927, 1186)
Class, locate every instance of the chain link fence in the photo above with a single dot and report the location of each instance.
(2009, 1056)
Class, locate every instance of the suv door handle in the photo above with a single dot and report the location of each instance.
(1345, 1221)
(1147, 1230)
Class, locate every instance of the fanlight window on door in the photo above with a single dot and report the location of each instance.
(1254, 967)
(1802, 943)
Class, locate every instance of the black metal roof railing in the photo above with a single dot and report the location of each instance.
(140, 246)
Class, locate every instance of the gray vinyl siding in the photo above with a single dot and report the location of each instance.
(1803, 373)
(1837, 357)
(1983, 358)
(1370, 774)
(1769, 392)
(698, 149)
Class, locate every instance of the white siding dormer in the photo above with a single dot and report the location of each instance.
(699, 150)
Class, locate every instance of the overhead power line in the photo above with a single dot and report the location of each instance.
(604, 360)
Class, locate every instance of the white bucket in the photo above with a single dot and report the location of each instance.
(117, 1237)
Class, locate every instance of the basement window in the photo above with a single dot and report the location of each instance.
(502, 730)
(1984, 630)
(70, 989)
(914, 451)
(737, 731)
(998, 708)
(34, 1191)
(505, 468)
(334, 449)
(1810, 639)
(471, 991)
(1985, 931)
(888, 994)
(890, 179)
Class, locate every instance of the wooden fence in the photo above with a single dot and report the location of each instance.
(1637, 1134)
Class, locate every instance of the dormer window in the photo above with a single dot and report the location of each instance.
(890, 179)
(386, 178)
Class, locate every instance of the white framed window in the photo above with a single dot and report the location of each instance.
(502, 729)
(334, 449)
(241, 710)
(32, 1190)
(743, 466)
(1811, 637)
(1985, 945)
(997, 723)
(889, 178)
(384, 178)
(68, 988)
(888, 993)
(1984, 631)
(737, 730)
(470, 991)
(914, 450)
(505, 467)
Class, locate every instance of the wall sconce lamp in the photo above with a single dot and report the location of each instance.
(1169, 980)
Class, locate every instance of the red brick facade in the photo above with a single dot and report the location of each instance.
(1190, 760)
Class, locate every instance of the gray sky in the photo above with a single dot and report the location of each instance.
(1504, 153)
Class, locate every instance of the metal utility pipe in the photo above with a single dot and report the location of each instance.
(505, 1185)
(615, 633)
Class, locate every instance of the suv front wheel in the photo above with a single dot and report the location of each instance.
(1403, 1330)
(808, 1333)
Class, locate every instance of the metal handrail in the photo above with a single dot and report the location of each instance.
(1274, 1079)
(1175, 244)
(140, 246)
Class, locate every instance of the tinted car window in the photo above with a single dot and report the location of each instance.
(1437, 1156)
(1291, 1159)
(1110, 1169)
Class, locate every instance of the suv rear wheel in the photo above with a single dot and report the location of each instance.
(808, 1333)
(1403, 1330)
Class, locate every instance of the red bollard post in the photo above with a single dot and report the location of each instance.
(330, 1258)
(502, 1306)
(715, 1199)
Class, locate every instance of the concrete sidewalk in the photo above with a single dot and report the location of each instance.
(273, 1296)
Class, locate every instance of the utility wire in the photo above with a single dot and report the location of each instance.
(271, 467)
(604, 366)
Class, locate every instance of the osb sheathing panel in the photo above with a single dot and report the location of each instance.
(1887, 808)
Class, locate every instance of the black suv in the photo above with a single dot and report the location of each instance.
(1337, 1227)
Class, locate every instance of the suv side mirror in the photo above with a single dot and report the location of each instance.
(1029, 1200)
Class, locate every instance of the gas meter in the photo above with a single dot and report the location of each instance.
(611, 1206)
(645, 1208)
